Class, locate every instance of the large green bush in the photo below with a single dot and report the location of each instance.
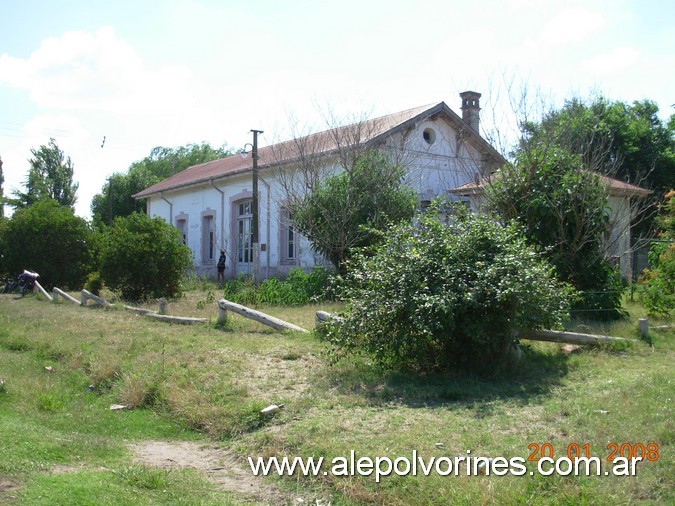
(48, 238)
(143, 257)
(439, 297)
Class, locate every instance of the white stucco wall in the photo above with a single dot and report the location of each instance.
(437, 164)
(194, 203)
(445, 163)
(618, 239)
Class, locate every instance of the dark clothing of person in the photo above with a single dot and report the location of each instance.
(221, 266)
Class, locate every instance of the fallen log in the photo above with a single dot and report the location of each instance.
(43, 291)
(553, 336)
(58, 291)
(557, 336)
(265, 319)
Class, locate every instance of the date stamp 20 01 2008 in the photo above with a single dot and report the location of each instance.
(648, 452)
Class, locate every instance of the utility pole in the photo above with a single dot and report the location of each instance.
(255, 226)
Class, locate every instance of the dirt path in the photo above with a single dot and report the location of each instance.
(220, 466)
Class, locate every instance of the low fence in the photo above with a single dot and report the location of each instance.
(223, 307)
(321, 316)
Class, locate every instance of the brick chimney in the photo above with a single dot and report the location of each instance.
(471, 108)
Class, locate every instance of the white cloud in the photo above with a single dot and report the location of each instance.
(87, 85)
(93, 71)
(571, 26)
(612, 63)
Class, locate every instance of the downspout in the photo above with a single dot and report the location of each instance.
(222, 214)
(161, 196)
(269, 246)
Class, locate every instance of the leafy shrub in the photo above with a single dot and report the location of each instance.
(439, 297)
(143, 257)
(657, 285)
(298, 288)
(601, 296)
(50, 240)
(351, 208)
(192, 281)
(94, 283)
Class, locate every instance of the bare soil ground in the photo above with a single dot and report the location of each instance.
(7, 487)
(220, 466)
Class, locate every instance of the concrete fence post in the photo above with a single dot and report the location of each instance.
(222, 314)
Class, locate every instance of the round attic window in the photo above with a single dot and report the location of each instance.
(429, 135)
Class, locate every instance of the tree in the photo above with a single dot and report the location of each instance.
(341, 188)
(434, 296)
(50, 177)
(143, 257)
(348, 210)
(117, 193)
(626, 141)
(49, 239)
(117, 196)
(563, 209)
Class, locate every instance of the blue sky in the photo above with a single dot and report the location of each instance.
(168, 73)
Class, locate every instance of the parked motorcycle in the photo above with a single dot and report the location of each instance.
(25, 282)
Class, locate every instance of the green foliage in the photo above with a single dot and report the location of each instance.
(297, 289)
(439, 297)
(143, 257)
(564, 211)
(162, 162)
(49, 239)
(657, 284)
(4, 271)
(150, 478)
(627, 141)
(50, 177)
(118, 193)
(2, 192)
(349, 210)
(94, 283)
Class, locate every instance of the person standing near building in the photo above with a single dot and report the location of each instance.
(221, 266)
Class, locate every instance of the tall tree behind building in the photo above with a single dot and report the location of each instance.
(50, 177)
(116, 197)
(626, 141)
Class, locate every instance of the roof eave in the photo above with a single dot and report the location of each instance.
(196, 182)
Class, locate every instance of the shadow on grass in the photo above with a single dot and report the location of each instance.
(534, 376)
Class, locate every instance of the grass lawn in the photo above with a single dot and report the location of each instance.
(200, 388)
